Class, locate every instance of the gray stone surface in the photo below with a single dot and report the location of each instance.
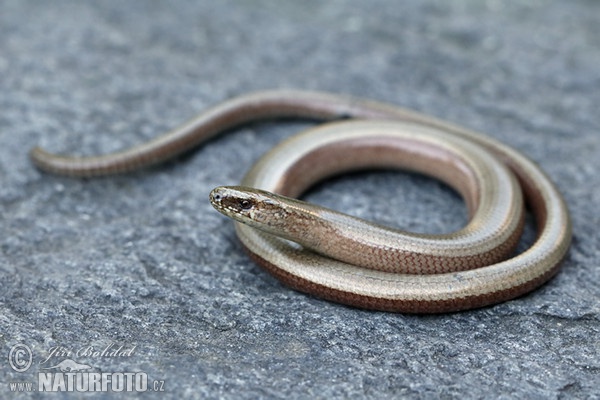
(142, 260)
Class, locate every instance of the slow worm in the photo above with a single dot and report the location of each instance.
(374, 267)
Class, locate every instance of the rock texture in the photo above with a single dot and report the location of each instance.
(142, 261)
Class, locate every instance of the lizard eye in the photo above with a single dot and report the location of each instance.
(245, 204)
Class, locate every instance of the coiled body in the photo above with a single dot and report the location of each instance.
(426, 274)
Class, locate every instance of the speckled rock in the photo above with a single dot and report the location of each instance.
(142, 261)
